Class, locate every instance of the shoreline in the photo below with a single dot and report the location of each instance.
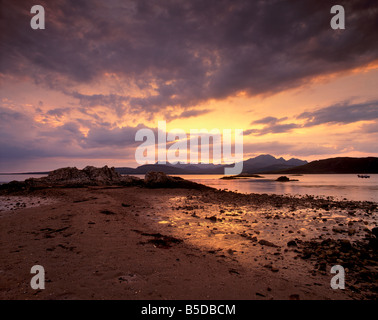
(143, 243)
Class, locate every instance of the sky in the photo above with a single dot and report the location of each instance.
(76, 93)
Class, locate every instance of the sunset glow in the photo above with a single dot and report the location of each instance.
(76, 92)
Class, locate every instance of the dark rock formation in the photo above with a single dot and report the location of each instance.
(73, 177)
(283, 178)
(161, 180)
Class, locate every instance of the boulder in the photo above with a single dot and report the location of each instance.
(283, 178)
(267, 243)
(161, 180)
(73, 177)
(154, 179)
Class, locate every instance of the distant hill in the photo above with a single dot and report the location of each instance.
(267, 162)
(263, 164)
(336, 165)
(258, 164)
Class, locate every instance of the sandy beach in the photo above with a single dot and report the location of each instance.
(131, 242)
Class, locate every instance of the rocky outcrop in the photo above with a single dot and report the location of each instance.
(158, 179)
(285, 179)
(73, 177)
(161, 180)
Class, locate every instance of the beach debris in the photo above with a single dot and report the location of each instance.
(159, 240)
(233, 271)
(107, 212)
(161, 180)
(259, 294)
(292, 243)
(212, 218)
(267, 243)
(375, 231)
(359, 258)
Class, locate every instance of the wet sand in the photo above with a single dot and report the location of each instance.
(139, 243)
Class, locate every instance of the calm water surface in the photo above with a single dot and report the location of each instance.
(340, 186)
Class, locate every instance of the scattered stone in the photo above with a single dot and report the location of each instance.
(107, 212)
(267, 243)
(292, 243)
(212, 218)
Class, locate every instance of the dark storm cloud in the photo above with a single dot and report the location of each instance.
(58, 112)
(189, 50)
(116, 137)
(24, 138)
(341, 113)
(187, 114)
(370, 128)
(267, 120)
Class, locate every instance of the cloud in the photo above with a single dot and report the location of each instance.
(23, 139)
(370, 127)
(115, 102)
(58, 112)
(342, 113)
(267, 120)
(181, 53)
(301, 150)
(272, 125)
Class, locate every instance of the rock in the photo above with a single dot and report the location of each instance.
(73, 177)
(161, 180)
(338, 230)
(322, 266)
(375, 231)
(283, 178)
(267, 243)
(212, 218)
(292, 243)
(373, 243)
(156, 178)
(351, 231)
(345, 245)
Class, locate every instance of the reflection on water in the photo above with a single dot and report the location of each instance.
(5, 178)
(255, 232)
(340, 186)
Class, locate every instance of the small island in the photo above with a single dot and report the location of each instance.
(243, 175)
(285, 179)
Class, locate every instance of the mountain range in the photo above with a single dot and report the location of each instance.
(261, 163)
(336, 165)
